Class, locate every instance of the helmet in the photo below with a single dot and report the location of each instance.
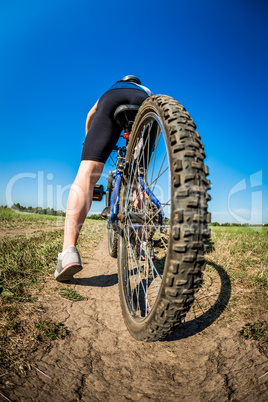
(131, 78)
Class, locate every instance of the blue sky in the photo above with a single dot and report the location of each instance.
(58, 57)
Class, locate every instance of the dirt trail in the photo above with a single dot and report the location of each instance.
(100, 361)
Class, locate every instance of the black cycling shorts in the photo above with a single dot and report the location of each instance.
(104, 132)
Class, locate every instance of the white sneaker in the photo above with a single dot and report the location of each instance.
(69, 263)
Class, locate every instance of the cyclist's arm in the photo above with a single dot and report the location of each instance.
(90, 116)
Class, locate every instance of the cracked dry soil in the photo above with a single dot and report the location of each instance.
(100, 361)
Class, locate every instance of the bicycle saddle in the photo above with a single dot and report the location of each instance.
(124, 115)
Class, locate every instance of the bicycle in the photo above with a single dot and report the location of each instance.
(157, 215)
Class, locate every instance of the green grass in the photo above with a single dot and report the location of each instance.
(27, 264)
(262, 230)
(255, 331)
(242, 253)
(51, 330)
(235, 282)
(25, 260)
(17, 220)
(71, 294)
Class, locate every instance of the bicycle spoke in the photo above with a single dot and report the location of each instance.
(136, 287)
(138, 282)
(146, 188)
(142, 275)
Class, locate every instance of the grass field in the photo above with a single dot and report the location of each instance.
(20, 220)
(27, 263)
(243, 252)
(240, 253)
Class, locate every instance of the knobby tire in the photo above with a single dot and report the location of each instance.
(155, 298)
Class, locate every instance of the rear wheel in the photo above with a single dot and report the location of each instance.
(163, 220)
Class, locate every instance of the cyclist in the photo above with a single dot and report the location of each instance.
(102, 133)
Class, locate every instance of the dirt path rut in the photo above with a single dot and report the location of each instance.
(100, 361)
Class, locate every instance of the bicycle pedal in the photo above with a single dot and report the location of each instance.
(98, 192)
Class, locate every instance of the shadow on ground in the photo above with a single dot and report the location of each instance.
(185, 329)
(97, 281)
(198, 324)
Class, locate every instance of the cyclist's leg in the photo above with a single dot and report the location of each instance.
(101, 138)
(80, 199)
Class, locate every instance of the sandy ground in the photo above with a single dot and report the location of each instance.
(99, 360)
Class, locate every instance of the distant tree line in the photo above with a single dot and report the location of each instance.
(37, 210)
(95, 216)
(45, 211)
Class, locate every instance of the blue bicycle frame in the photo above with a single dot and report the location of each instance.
(115, 197)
